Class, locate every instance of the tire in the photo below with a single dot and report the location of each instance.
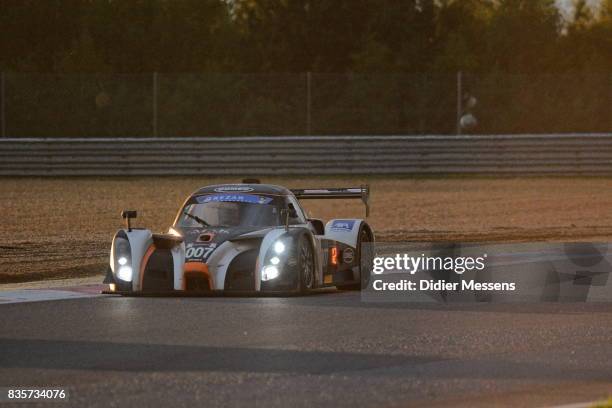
(365, 262)
(306, 265)
(366, 259)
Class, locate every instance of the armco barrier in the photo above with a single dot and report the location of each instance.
(572, 154)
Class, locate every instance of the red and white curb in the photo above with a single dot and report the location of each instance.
(47, 294)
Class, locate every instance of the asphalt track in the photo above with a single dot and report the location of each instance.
(327, 349)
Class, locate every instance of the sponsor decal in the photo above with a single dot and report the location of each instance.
(193, 233)
(234, 198)
(348, 255)
(201, 244)
(343, 225)
(230, 189)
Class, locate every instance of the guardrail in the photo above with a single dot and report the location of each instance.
(579, 154)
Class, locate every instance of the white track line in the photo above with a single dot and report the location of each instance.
(46, 290)
(578, 405)
(39, 295)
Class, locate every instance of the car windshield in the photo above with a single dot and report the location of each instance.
(230, 210)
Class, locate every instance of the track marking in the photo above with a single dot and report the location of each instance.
(40, 295)
(578, 405)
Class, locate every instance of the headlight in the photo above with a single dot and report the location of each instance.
(123, 259)
(279, 247)
(275, 259)
(122, 248)
(125, 273)
(269, 272)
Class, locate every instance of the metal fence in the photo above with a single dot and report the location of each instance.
(587, 154)
(190, 105)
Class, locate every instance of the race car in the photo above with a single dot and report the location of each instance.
(246, 237)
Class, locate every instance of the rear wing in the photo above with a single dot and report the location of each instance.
(362, 192)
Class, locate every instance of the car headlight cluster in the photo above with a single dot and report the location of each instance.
(269, 272)
(279, 247)
(123, 257)
(271, 269)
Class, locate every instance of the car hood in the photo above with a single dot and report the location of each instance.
(218, 235)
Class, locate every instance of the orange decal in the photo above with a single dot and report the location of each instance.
(333, 255)
(198, 268)
(145, 259)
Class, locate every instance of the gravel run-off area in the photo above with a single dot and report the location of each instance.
(62, 227)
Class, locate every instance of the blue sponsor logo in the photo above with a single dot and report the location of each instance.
(233, 189)
(343, 225)
(234, 198)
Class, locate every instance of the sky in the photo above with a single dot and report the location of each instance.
(566, 5)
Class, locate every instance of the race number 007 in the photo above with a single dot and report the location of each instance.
(198, 252)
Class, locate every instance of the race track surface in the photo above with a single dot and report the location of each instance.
(327, 349)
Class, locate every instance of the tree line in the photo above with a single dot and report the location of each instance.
(517, 36)
(399, 54)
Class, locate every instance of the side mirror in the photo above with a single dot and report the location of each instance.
(127, 215)
(287, 213)
(292, 211)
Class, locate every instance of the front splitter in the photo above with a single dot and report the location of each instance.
(218, 293)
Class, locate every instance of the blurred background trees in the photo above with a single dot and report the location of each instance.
(305, 35)
(392, 60)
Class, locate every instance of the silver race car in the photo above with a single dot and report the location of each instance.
(246, 237)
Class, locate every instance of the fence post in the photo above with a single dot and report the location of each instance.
(308, 103)
(2, 105)
(459, 101)
(154, 104)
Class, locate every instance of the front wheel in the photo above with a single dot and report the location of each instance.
(306, 274)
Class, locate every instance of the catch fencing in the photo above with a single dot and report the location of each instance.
(316, 104)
